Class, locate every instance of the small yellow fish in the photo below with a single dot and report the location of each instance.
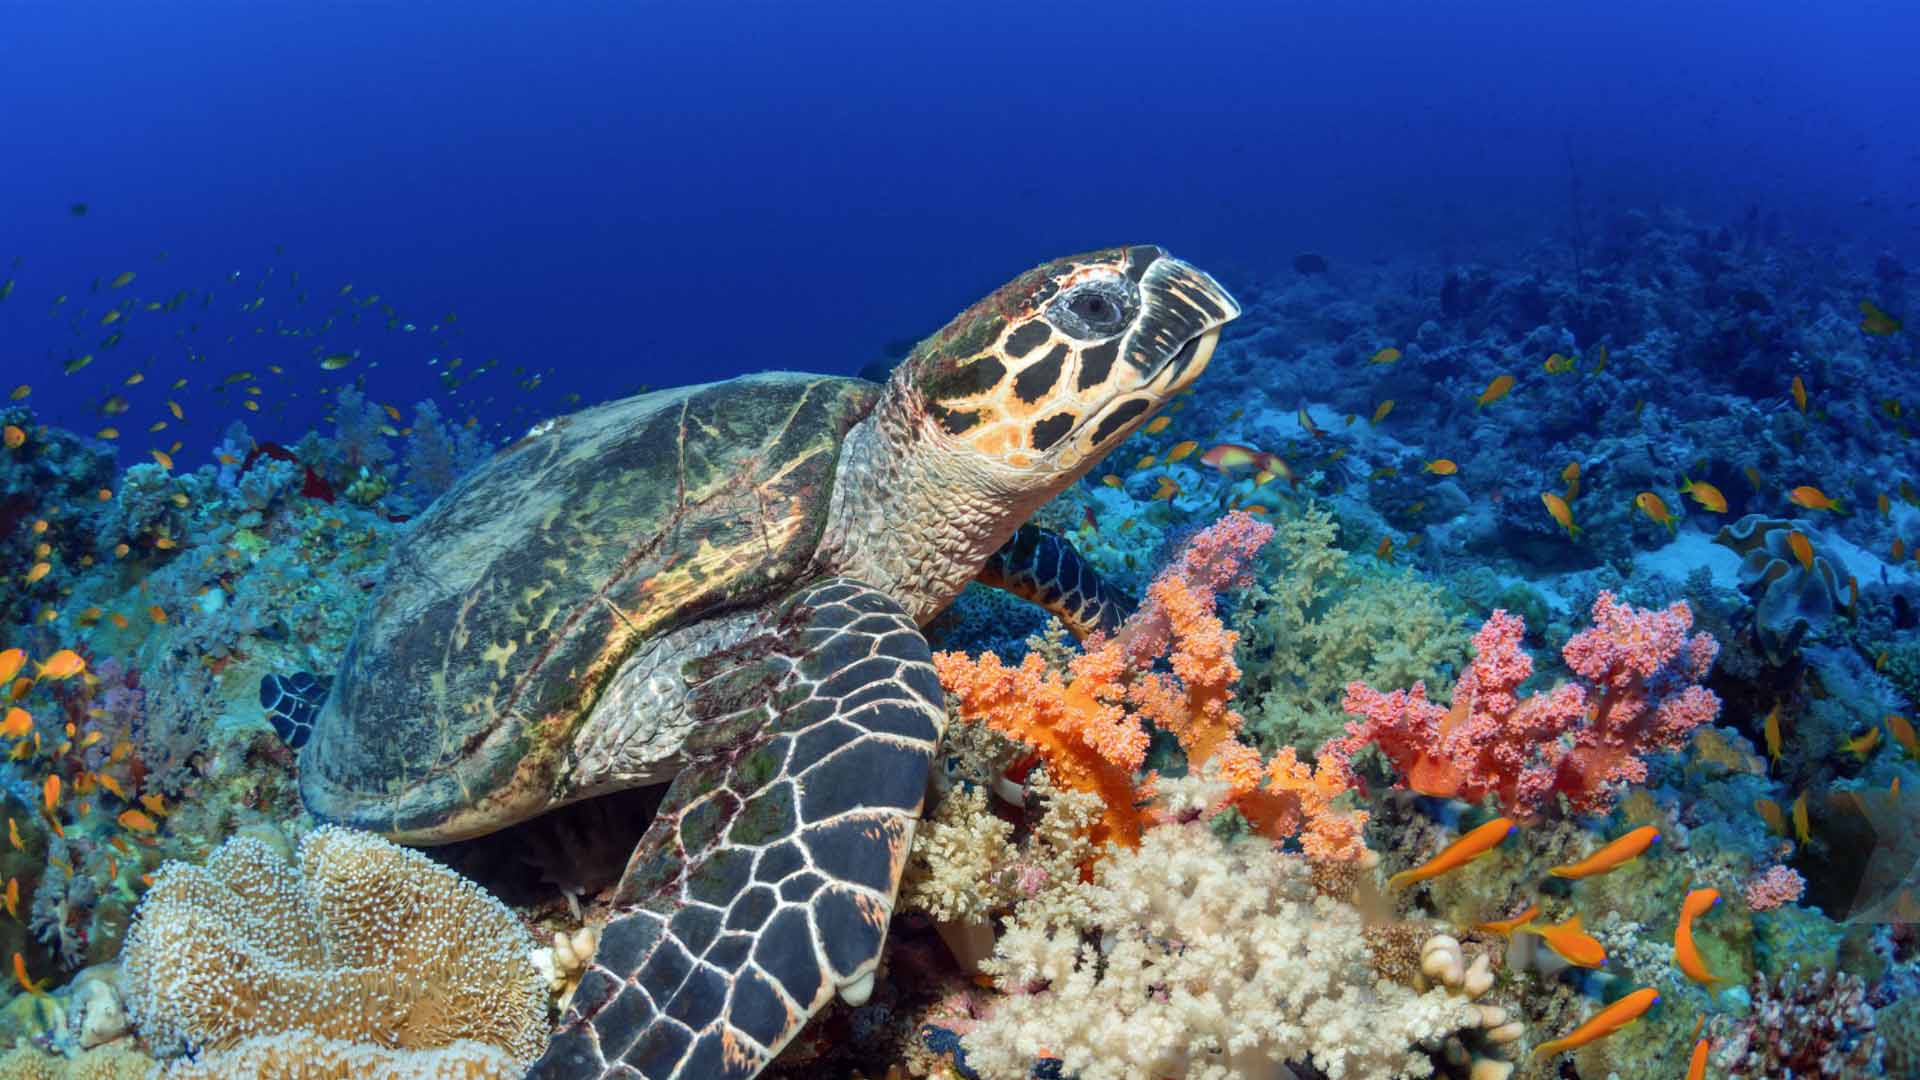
(165, 460)
(1166, 491)
(1655, 508)
(1495, 390)
(135, 821)
(1802, 548)
(1145, 463)
(19, 723)
(1799, 394)
(13, 834)
(1861, 746)
(50, 792)
(20, 392)
(37, 571)
(1472, 846)
(121, 280)
(1617, 853)
(1770, 728)
(1571, 942)
(1112, 481)
(1154, 427)
(1812, 498)
(154, 804)
(1802, 830)
(1441, 467)
(1561, 512)
(1571, 477)
(110, 317)
(64, 664)
(1381, 410)
(1558, 364)
(1705, 494)
(1385, 356)
(335, 361)
(1877, 322)
(1181, 450)
(174, 408)
(13, 897)
(1603, 1023)
(109, 782)
(1506, 927)
(20, 976)
(1902, 731)
(13, 437)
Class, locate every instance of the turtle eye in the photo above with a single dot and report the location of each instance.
(1095, 309)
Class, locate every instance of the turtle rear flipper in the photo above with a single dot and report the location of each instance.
(766, 881)
(292, 702)
(1044, 568)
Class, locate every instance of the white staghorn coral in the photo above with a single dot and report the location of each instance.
(1192, 958)
(365, 944)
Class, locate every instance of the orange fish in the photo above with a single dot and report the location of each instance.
(38, 571)
(1603, 1023)
(1685, 954)
(1381, 410)
(1624, 849)
(1506, 927)
(1799, 394)
(1181, 450)
(64, 664)
(1705, 494)
(1903, 734)
(1770, 728)
(135, 821)
(13, 834)
(1571, 942)
(1495, 390)
(1385, 356)
(13, 897)
(118, 620)
(1441, 467)
(1771, 813)
(1385, 550)
(19, 723)
(1154, 427)
(1561, 512)
(1229, 456)
(1697, 1064)
(154, 804)
(1459, 853)
(1812, 498)
(159, 614)
(1167, 490)
(1862, 745)
(20, 976)
(50, 792)
(1802, 829)
(1655, 508)
(161, 456)
(110, 783)
(11, 661)
(1802, 548)
(1571, 477)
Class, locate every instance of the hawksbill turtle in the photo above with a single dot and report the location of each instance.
(723, 586)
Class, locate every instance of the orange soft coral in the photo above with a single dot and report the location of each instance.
(1089, 727)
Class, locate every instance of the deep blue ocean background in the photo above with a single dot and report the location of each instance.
(654, 194)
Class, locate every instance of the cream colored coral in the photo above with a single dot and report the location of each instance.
(102, 1063)
(365, 943)
(300, 1055)
(1479, 1048)
(1191, 958)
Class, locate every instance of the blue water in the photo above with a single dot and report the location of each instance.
(653, 193)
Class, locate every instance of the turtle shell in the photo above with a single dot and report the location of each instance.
(517, 595)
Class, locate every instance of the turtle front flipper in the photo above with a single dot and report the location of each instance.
(766, 882)
(1041, 566)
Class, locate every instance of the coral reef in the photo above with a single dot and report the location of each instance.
(363, 943)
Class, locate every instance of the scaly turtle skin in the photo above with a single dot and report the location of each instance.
(723, 586)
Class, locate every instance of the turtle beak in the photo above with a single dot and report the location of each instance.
(1179, 325)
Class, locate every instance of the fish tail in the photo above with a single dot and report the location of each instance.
(1404, 877)
(1548, 1049)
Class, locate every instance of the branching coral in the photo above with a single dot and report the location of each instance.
(1819, 1025)
(1090, 724)
(1188, 957)
(365, 943)
(1638, 694)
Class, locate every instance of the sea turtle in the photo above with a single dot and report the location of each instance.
(723, 586)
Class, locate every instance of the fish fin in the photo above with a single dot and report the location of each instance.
(293, 704)
(1573, 924)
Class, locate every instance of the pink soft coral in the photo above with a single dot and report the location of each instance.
(1090, 727)
(1779, 885)
(1638, 694)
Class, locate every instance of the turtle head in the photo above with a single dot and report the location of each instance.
(1059, 366)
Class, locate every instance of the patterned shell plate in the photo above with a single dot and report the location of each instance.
(514, 598)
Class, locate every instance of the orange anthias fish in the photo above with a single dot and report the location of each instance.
(20, 976)
(1495, 390)
(1441, 467)
(1802, 829)
(1506, 927)
(1771, 813)
(1655, 508)
(1802, 548)
(1770, 729)
(1459, 853)
(1799, 393)
(1685, 954)
(1903, 734)
(1571, 942)
(1181, 450)
(135, 821)
(1381, 410)
(1561, 512)
(19, 723)
(50, 792)
(1812, 498)
(1571, 477)
(64, 664)
(1615, 854)
(1603, 1023)
(1705, 494)
(1861, 746)
(11, 661)
(13, 897)
(1877, 322)
(1697, 1063)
